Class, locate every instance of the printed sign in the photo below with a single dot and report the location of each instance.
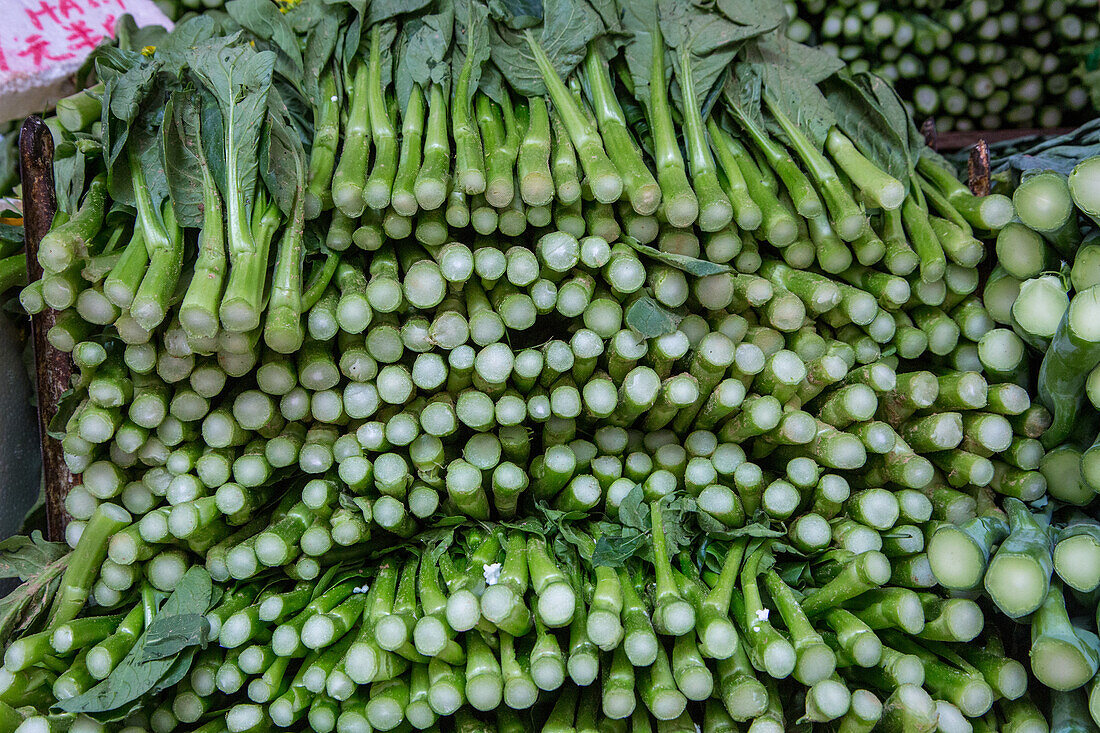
(42, 42)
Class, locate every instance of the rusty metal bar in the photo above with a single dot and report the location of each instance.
(53, 369)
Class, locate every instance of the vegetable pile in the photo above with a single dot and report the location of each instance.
(974, 65)
(586, 367)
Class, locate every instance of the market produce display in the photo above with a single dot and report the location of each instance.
(560, 367)
(975, 65)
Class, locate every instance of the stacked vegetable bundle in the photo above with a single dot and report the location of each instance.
(1038, 566)
(974, 65)
(456, 388)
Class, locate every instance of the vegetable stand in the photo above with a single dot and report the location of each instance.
(649, 370)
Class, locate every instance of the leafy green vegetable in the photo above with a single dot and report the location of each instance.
(566, 29)
(156, 656)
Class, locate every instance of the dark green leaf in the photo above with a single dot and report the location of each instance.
(516, 14)
(382, 10)
(530, 525)
(181, 665)
(134, 677)
(70, 400)
(282, 163)
(171, 53)
(263, 19)
(26, 607)
(566, 29)
(25, 557)
(756, 529)
(895, 111)
(793, 574)
(613, 551)
(69, 181)
(742, 93)
(634, 511)
(762, 15)
(424, 52)
(789, 74)
(709, 39)
(563, 523)
(471, 36)
(9, 161)
(169, 635)
(864, 121)
(10, 234)
(651, 319)
(321, 41)
(676, 515)
(813, 64)
(639, 20)
(690, 265)
(183, 157)
(239, 79)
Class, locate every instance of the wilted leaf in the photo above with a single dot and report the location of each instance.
(25, 557)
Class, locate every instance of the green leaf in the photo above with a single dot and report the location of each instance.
(69, 173)
(760, 15)
(9, 160)
(66, 406)
(676, 515)
(25, 557)
(530, 525)
(864, 121)
(794, 574)
(755, 529)
(562, 522)
(614, 550)
(711, 39)
(516, 14)
(639, 19)
(264, 20)
(171, 52)
(789, 74)
(471, 36)
(634, 511)
(424, 52)
(690, 265)
(651, 319)
(566, 29)
(282, 163)
(239, 78)
(137, 675)
(322, 38)
(896, 112)
(183, 157)
(22, 609)
(181, 665)
(382, 10)
(169, 635)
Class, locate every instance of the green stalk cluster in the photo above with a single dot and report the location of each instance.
(974, 66)
(618, 406)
